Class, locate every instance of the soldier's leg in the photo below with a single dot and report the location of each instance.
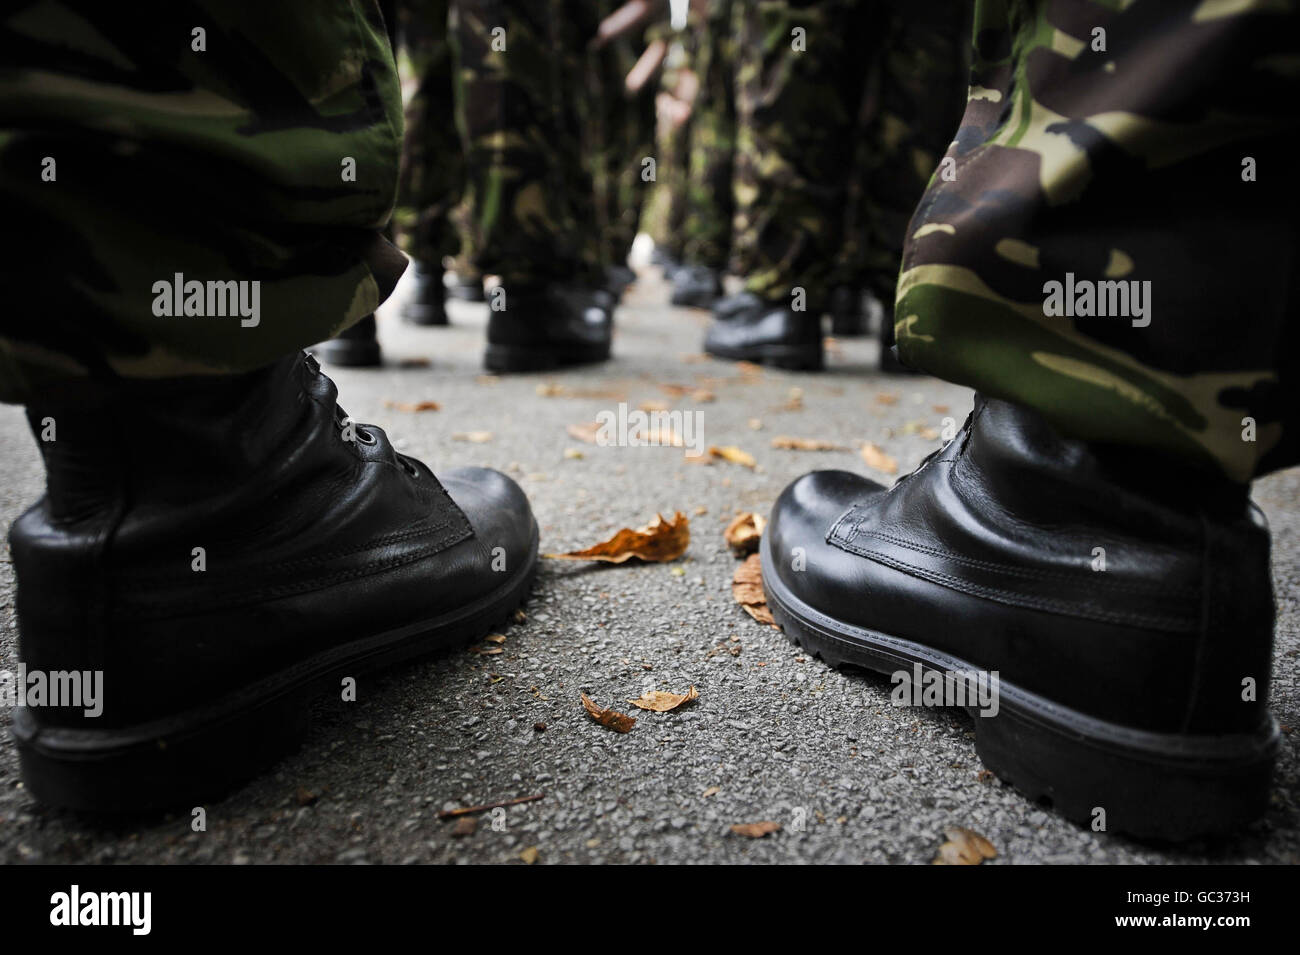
(665, 208)
(433, 168)
(204, 188)
(520, 73)
(799, 83)
(1112, 265)
(707, 223)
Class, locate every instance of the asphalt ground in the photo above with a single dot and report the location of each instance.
(775, 735)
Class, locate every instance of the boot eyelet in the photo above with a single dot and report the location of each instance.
(408, 466)
(366, 436)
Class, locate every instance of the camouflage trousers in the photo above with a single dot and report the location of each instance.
(202, 187)
(620, 126)
(432, 178)
(706, 220)
(843, 109)
(1111, 240)
(521, 68)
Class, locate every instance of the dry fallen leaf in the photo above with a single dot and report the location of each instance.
(417, 362)
(733, 454)
(497, 638)
(619, 722)
(939, 409)
(703, 396)
(573, 454)
(794, 400)
(747, 589)
(878, 459)
(964, 847)
(885, 398)
(711, 791)
(658, 541)
(529, 855)
(412, 405)
(743, 534)
(473, 437)
(930, 434)
(653, 406)
(584, 432)
(787, 443)
(661, 701)
(756, 830)
(465, 826)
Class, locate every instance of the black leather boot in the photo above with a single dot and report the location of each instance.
(696, 286)
(1124, 604)
(549, 326)
(427, 302)
(466, 288)
(223, 549)
(771, 333)
(356, 347)
(848, 311)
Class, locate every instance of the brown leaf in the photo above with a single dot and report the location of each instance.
(305, 797)
(787, 443)
(711, 791)
(473, 437)
(661, 701)
(747, 589)
(743, 534)
(465, 826)
(653, 406)
(412, 405)
(584, 432)
(530, 855)
(733, 454)
(885, 398)
(756, 830)
(703, 396)
(657, 542)
(876, 458)
(964, 847)
(619, 722)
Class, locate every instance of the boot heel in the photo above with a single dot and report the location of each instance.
(143, 769)
(1165, 787)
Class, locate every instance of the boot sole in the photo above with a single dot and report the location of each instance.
(347, 354)
(179, 760)
(516, 358)
(789, 357)
(1157, 786)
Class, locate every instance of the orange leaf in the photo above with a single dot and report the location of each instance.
(747, 589)
(876, 458)
(743, 534)
(657, 542)
(661, 701)
(756, 830)
(619, 722)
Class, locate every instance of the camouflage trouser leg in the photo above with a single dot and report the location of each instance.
(520, 67)
(433, 166)
(910, 109)
(665, 207)
(707, 222)
(133, 150)
(799, 84)
(1116, 243)
(621, 127)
